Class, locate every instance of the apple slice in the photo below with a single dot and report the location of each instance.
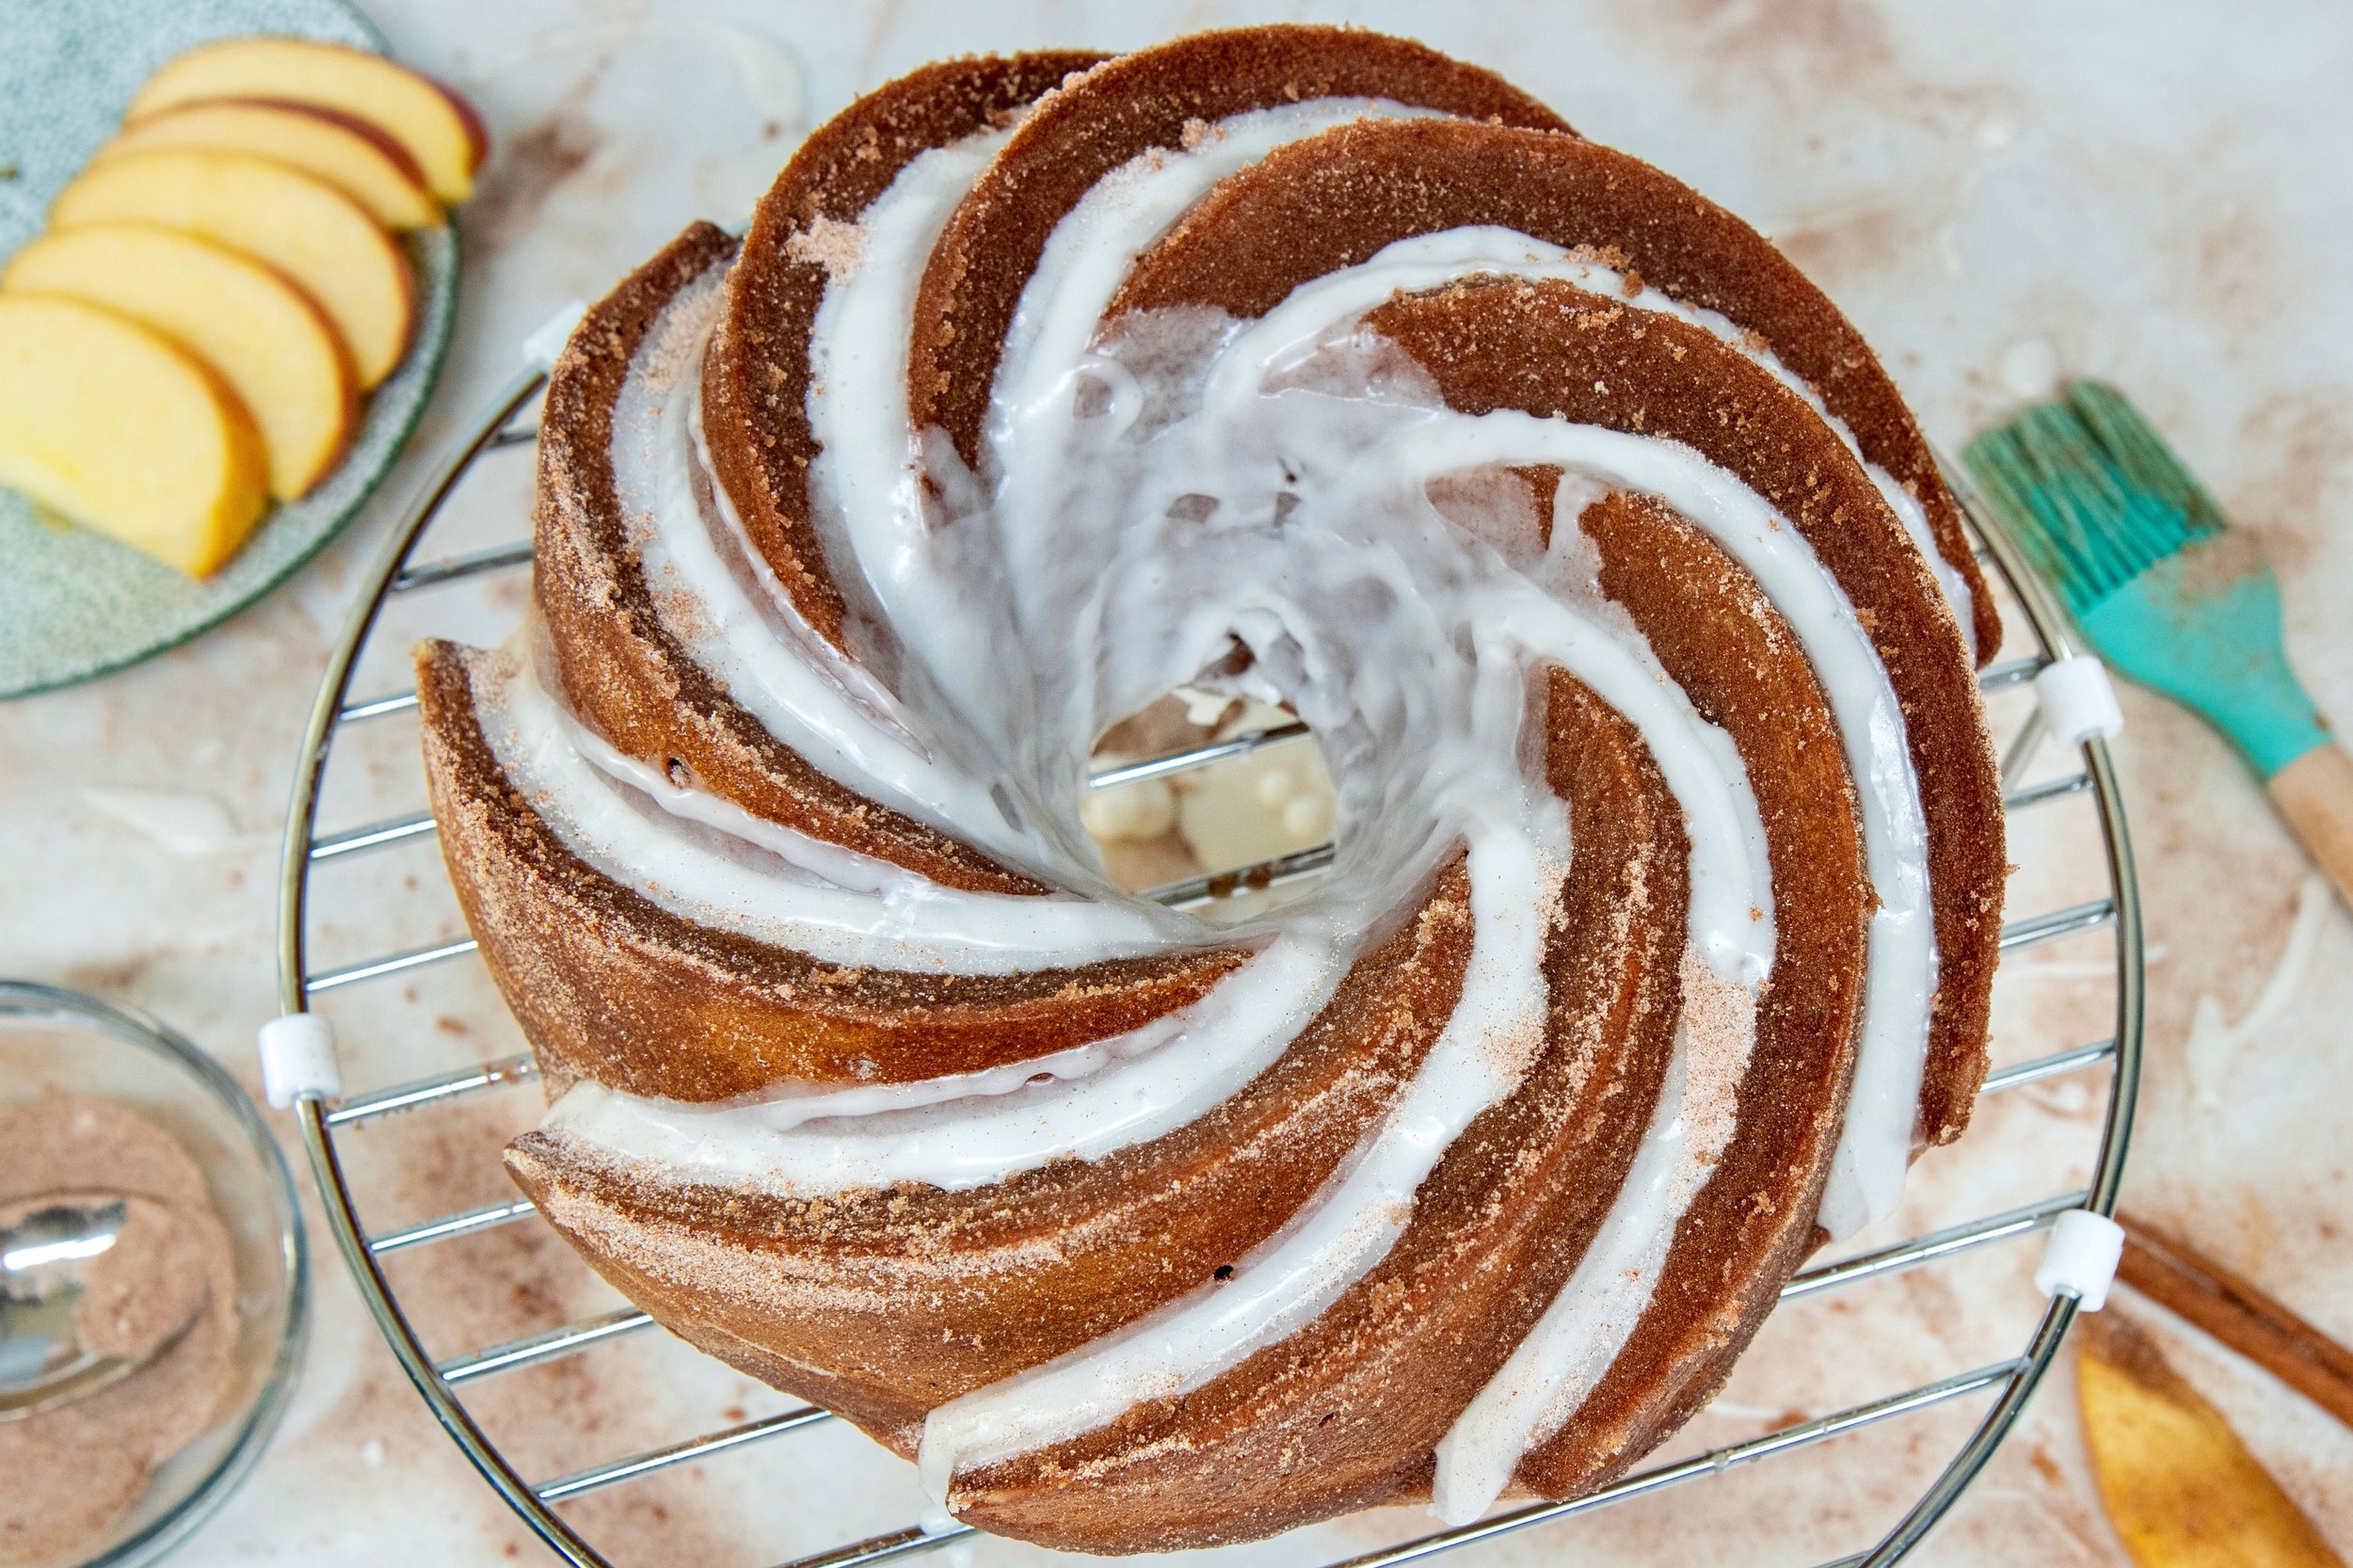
(349, 154)
(305, 228)
(277, 352)
(437, 126)
(120, 429)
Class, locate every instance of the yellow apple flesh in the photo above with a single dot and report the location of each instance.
(115, 426)
(278, 354)
(435, 125)
(349, 155)
(321, 239)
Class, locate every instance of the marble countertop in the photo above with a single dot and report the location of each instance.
(2154, 194)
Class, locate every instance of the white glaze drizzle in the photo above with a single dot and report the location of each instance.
(1063, 498)
(1868, 1171)
(708, 860)
(723, 603)
(1560, 1360)
(987, 1126)
(1494, 1034)
(1874, 1146)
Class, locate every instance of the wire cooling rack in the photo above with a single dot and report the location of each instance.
(444, 1383)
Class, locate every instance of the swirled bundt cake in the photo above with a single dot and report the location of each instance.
(1626, 607)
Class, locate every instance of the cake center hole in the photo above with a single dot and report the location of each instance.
(1214, 803)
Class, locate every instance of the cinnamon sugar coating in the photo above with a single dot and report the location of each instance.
(1753, 1222)
(612, 987)
(1335, 199)
(756, 377)
(883, 1305)
(621, 669)
(1122, 110)
(1556, 351)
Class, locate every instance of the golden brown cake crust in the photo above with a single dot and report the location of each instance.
(1718, 637)
(1373, 1383)
(1378, 1379)
(621, 667)
(883, 1304)
(1335, 199)
(1117, 111)
(1559, 352)
(910, 1297)
(612, 987)
(756, 377)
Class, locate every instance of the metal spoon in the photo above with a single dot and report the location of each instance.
(46, 1259)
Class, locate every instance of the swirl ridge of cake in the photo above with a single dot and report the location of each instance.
(1626, 607)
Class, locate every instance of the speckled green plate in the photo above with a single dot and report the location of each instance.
(73, 604)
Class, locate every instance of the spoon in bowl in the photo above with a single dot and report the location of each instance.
(48, 1256)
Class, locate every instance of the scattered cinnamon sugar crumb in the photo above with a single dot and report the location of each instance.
(830, 243)
(1719, 1032)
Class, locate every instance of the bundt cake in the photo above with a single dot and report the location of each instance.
(1634, 624)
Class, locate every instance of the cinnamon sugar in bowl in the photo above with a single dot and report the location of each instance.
(99, 1097)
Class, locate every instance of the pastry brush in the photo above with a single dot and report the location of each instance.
(2168, 593)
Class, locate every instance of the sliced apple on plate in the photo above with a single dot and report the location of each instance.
(117, 427)
(437, 127)
(316, 236)
(349, 154)
(276, 349)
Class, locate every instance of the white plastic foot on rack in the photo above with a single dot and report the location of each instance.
(2081, 1257)
(2077, 701)
(298, 1059)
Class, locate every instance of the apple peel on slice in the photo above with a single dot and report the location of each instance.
(321, 239)
(441, 132)
(117, 427)
(348, 154)
(264, 337)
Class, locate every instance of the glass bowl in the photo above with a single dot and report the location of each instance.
(58, 1041)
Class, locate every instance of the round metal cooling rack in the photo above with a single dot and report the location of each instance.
(443, 1384)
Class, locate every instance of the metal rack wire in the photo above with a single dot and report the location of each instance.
(441, 1382)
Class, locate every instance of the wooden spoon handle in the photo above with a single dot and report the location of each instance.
(2315, 794)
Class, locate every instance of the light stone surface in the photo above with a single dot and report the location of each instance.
(1997, 192)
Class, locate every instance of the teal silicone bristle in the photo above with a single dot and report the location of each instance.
(2098, 496)
(2107, 514)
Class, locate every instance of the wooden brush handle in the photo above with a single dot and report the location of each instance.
(2316, 793)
